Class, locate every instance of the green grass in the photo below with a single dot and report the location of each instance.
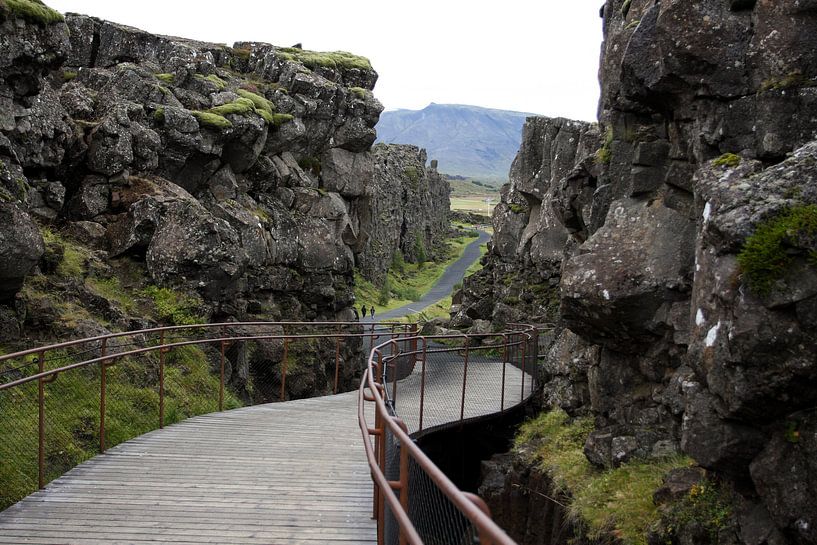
(767, 254)
(212, 120)
(315, 59)
(175, 307)
(111, 289)
(31, 10)
(72, 412)
(74, 255)
(359, 92)
(477, 265)
(410, 285)
(613, 501)
(483, 204)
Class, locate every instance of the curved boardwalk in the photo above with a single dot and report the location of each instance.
(290, 472)
(283, 473)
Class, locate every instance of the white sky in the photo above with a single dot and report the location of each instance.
(538, 56)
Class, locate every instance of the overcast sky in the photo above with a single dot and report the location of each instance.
(538, 56)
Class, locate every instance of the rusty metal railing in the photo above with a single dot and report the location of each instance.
(63, 403)
(417, 384)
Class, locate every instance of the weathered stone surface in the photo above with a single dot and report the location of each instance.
(784, 476)
(406, 204)
(21, 246)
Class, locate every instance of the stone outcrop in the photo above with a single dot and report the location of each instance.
(677, 243)
(241, 176)
(407, 206)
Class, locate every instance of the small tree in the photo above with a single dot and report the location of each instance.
(420, 250)
(385, 292)
(398, 263)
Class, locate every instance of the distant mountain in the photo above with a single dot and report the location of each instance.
(467, 140)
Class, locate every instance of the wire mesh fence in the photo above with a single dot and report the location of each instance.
(64, 404)
(424, 383)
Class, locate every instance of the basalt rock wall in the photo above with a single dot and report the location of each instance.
(240, 176)
(675, 249)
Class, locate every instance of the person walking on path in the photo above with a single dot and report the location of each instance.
(357, 316)
(363, 311)
(371, 312)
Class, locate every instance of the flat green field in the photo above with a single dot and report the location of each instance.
(475, 203)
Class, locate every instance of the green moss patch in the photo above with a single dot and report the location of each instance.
(214, 79)
(30, 10)
(791, 80)
(518, 208)
(167, 78)
(727, 160)
(280, 119)
(359, 92)
(614, 501)
(175, 307)
(211, 120)
(769, 253)
(257, 100)
(334, 59)
(240, 106)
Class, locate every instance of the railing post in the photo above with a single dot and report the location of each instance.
(464, 378)
(504, 369)
(404, 477)
(524, 347)
(41, 422)
(162, 380)
(423, 382)
(337, 362)
(414, 332)
(103, 379)
(484, 537)
(282, 397)
(221, 378)
(381, 462)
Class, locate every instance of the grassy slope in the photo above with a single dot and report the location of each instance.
(413, 282)
(72, 401)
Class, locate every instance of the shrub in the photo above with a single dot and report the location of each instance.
(768, 253)
(398, 263)
(384, 295)
(420, 250)
(310, 163)
(605, 152)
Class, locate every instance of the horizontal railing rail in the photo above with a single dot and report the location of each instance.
(66, 402)
(415, 384)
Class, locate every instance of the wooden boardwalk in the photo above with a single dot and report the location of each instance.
(282, 473)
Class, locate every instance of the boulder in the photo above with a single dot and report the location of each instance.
(21, 246)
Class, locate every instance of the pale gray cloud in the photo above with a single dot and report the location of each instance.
(531, 56)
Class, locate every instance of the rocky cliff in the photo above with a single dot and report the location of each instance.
(149, 178)
(674, 248)
(407, 209)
